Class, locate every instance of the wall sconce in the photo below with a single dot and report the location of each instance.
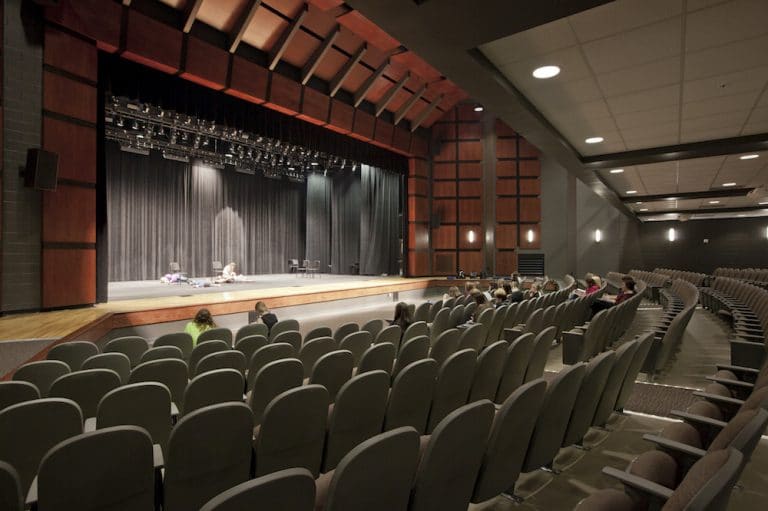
(598, 235)
(529, 236)
(671, 234)
(766, 232)
(471, 236)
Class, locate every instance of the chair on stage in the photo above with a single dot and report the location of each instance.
(175, 268)
(303, 268)
(217, 268)
(293, 265)
(312, 267)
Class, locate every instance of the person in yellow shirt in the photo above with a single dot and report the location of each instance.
(203, 321)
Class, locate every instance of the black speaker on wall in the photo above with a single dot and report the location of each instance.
(42, 169)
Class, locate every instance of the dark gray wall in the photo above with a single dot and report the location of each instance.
(22, 101)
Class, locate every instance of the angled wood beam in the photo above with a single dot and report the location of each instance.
(425, 113)
(190, 15)
(345, 71)
(409, 104)
(385, 100)
(285, 39)
(242, 24)
(366, 88)
(314, 60)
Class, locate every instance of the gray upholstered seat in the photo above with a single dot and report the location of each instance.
(595, 378)
(312, 350)
(422, 312)
(456, 317)
(285, 325)
(249, 344)
(490, 364)
(645, 342)
(515, 366)
(344, 330)
(606, 405)
(390, 334)
(264, 356)
(332, 371)
(13, 392)
(417, 329)
(410, 398)
(132, 346)
(541, 345)
(445, 345)
(10, 489)
(379, 357)
(116, 361)
(356, 343)
(454, 380)
(251, 329)
(496, 326)
(160, 353)
(292, 337)
(373, 327)
(292, 489)
(434, 309)
(229, 359)
(417, 348)
(73, 353)
(473, 337)
(440, 324)
(41, 374)
(316, 333)
(203, 350)
(86, 388)
(181, 340)
(213, 387)
(170, 372)
(216, 334)
(272, 380)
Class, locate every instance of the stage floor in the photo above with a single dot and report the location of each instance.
(142, 289)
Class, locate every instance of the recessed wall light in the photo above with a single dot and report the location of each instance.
(631, 192)
(471, 236)
(671, 198)
(530, 236)
(714, 202)
(671, 234)
(546, 72)
(478, 108)
(617, 171)
(598, 235)
(729, 184)
(749, 156)
(594, 140)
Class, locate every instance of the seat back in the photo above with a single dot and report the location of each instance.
(316, 333)
(450, 463)
(110, 469)
(160, 353)
(209, 451)
(35, 427)
(508, 442)
(357, 415)
(356, 343)
(456, 317)
(211, 388)
(416, 329)
(292, 489)
(553, 418)
(181, 340)
(131, 346)
(390, 334)
(411, 396)
(292, 431)
(454, 381)
(264, 356)
(606, 405)
(708, 483)
(469, 311)
(434, 309)
(486, 317)
(645, 342)
(377, 474)
(515, 365)
(742, 432)
(415, 349)
(117, 362)
(13, 392)
(203, 350)
(272, 380)
(41, 374)
(495, 329)
(147, 405)
(445, 345)
(216, 334)
(473, 337)
(73, 353)
(229, 359)
(10, 489)
(440, 324)
(86, 388)
(251, 329)
(292, 337)
(373, 327)
(422, 312)
(170, 372)
(286, 325)
(541, 345)
(249, 344)
(312, 350)
(595, 378)
(344, 330)
(332, 371)
(379, 357)
(490, 364)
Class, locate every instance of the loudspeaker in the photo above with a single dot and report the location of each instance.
(42, 169)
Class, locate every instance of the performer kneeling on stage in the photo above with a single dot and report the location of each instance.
(228, 274)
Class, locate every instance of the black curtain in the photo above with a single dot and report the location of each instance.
(318, 244)
(379, 231)
(161, 211)
(345, 234)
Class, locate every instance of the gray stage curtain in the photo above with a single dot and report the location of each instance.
(161, 211)
(318, 243)
(379, 233)
(345, 232)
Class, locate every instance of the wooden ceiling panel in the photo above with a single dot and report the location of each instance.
(300, 49)
(326, 4)
(400, 98)
(416, 110)
(374, 57)
(221, 14)
(432, 118)
(348, 41)
(416, 64)
(264, 30)
(288, 8)
(380, 87)
(367, 31)
(356, 78)
(319, 22)
(333, 61)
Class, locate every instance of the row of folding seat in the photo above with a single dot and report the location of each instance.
(654, 282)
(695, 278)
(757, 276)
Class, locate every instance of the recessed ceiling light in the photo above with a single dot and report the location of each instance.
(644, 209)
(594, 140)
(478, 108)
(729, 184)
(638, 202)
(617, 171)
(671, 198)
(714, 202)
(631, 192)
(749, 156)
(545, 72)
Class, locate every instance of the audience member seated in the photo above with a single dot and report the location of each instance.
(607, 301)
(453, 292)
(514, 294)
(261, 314)
(203, 321)
(533, 292)
(499, 297)
(403, 317)
(482, 304)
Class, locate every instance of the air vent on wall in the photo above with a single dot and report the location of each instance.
(530, 264)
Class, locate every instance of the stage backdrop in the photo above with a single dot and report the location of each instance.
(162, 210)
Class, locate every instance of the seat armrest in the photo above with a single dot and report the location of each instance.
(738, 369)
(89, 425)
(157, 456)
(735, 384)
(730, 402)
(650, 488)
(31, 500)
(677, 447)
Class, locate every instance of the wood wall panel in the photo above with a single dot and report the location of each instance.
(76, 146)
(384, 132)
(284, 95)
(506, 168)
(530, 209)
(506, 262)
(503, 130)
(419, 146)
(418, 186)
(248, 81)
(506, 187)
(69, 97)
(418, 209)
(419, 236)
(469, 130)
(444, 189)
(418, 167)
(444, 171)
(70, 54)
(95, 19)
(206, 64)
(445, 209)
(506, 147)
(363, 125)
(470, 189)
(443, 131)
(401, 139)
(470, 151)
(530, 187)
(68, 277)
(152, 43)
(444, 263)
(464, 242)
(506, 236)
(528, 150)
(524, 243)
(470, 211)
(69, 215)
(471, 261)
(506, 210)
(444, 237)
(530, 168)
(470, 171)
(446, 151)
(466, 112)
(315, 106)
(418, 263)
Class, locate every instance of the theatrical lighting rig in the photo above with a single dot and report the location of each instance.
(141, 127)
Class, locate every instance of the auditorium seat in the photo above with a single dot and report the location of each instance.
(445, 345)
(13, 392)
(379, 357)
(285, 325)
(422, 312)
(373, 327)
(456, 317)
(251, 329)
(490, 364)
(229, 359)
(264, 356)
(451, 459)
(434, 309)
(411, 351)
(213, 387)
(440, 323)
(375, 476)
(410, 397)
(147, 405)
(203, 350)
(508, 441)
(292, 337)
(606, 406)
(515, 365)
(644, 343)
(454, 380)
(316, 333)
(181, 340)
(249, 344)
(86, 388)
(273, 379)
(110, 468)
(117, 362)
(496, 326)
(160, 353)
(538, 360)
(469, 311)
(532, 325)
(41, 374)
(216, 334)
(292, 489)
(332, 371)
(344, 330)
(209, 451)
(356, 343)
(416, 329)
(10, 489)
(357, 415)
(486, 318)
(313, 349)
(73, 353)
(35, 427)
(390, 334)
(473, 337)
(292, 431)
(595, 377)
(170, 372)
(131, 346)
